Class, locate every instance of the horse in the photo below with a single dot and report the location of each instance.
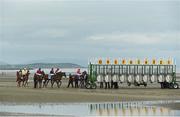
(22, 78)
(25, 79)
(45, 80)
(19, 78)
(57, 78)
(83, 79)
(38, 80)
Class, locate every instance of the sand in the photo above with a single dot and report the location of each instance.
(9, 92)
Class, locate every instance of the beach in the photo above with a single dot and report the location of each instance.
(9, 92)
(13, 95)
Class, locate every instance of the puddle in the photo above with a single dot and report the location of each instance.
(135, 108)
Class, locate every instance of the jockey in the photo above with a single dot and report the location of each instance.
(39, 72)
(57, 71)
(24, 72)
(20, 72)
(78, 72)
(51, 73)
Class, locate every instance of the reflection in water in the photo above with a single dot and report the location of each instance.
(139, 108)
(128, 109)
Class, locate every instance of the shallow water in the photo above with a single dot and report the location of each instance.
(134, 108)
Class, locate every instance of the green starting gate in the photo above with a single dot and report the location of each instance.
(134, 72)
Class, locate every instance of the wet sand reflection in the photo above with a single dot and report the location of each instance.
(127, 109)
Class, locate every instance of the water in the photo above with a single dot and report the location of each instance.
(134, 108)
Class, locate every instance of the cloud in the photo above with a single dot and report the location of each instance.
(137, 38)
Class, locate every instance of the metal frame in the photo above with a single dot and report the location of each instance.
(132, 69)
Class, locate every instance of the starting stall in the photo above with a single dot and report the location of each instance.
(112, 72)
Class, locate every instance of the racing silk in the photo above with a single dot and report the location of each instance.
(24, 72)
(57, 71)
(78, 72)
(51, 72)
(39, 72)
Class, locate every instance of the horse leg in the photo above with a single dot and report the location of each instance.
(57, 82)
(34, 83)
(44, 83)
(40, 83)
(22, 83)
(60, 82)
(47, 83)
(19, 83)
(80, 84)
(26, 82)
(52, 83)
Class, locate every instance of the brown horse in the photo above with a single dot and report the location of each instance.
(19, 78)
(57, 78)
(22, 78)
(25, 79)
(45, 80)
(38, 80)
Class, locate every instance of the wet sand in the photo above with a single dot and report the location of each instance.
(173, 106)
(26, 114)
(10, 93)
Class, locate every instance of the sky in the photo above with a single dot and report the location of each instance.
(76, 30)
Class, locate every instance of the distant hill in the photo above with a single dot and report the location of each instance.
(3, 63)
(39, 65)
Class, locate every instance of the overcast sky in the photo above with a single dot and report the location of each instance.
(74, 30)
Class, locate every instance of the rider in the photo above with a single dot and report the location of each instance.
(57, 71)
(78, 72)
(51, 73)
(24, 72)
(39, 72)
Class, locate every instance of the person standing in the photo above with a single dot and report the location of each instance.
(76, 79)
(70, 81)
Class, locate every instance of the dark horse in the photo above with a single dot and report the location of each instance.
(18, 78)
(45, 80)
(22, 78)
(83, 79)
(38, 80)
(57, 78)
